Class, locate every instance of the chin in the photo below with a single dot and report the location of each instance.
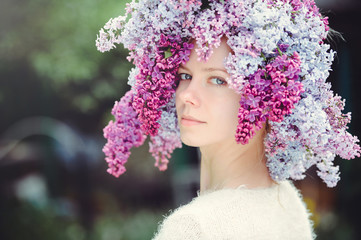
(190, 142)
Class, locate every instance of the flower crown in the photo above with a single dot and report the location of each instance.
(279, 65)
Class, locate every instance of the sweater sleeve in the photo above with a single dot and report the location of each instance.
(179, 227)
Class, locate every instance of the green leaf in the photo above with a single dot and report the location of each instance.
(167, 54)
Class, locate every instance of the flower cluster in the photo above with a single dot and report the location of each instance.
(270, 94)
(122, 134)
(157, 35)
(167, 139)
(155, 82)
(279, 65)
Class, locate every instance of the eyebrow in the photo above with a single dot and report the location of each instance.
(215, 69)
(207, 69)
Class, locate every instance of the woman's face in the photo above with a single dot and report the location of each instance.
(207, 108)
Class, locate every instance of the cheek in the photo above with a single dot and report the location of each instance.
(232, 117)
(227, 115)
(179, 90)
(232, 111)
(177, 102)
(177, 96)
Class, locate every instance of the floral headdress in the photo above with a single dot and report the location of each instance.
(279, 65)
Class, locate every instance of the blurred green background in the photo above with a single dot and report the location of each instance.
(56, 93)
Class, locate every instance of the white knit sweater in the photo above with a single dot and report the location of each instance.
(270, 213)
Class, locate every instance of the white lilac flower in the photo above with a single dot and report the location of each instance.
(132, 74)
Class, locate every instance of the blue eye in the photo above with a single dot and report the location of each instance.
(185, 76)
(218, 81)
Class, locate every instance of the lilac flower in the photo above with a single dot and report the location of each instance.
(122, 134)
(162, 145)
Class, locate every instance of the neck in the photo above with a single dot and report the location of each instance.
(230, 165)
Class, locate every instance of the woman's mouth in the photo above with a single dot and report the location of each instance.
(190, 121)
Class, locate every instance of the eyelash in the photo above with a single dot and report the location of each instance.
(185, 76)
(219, 79)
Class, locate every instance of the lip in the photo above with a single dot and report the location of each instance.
(190, 121)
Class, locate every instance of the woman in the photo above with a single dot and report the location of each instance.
(207, 112)
(238, 198)
(245, 82)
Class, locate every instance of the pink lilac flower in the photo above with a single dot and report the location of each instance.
(156, 80)
(122, 134)
(162, 145)
(259, 103)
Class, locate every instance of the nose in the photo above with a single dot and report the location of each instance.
(188, 93)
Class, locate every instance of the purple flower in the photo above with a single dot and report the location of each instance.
(122, 134)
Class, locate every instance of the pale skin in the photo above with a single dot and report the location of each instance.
(207, 115)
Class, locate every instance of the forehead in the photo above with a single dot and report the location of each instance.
(216, 59)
